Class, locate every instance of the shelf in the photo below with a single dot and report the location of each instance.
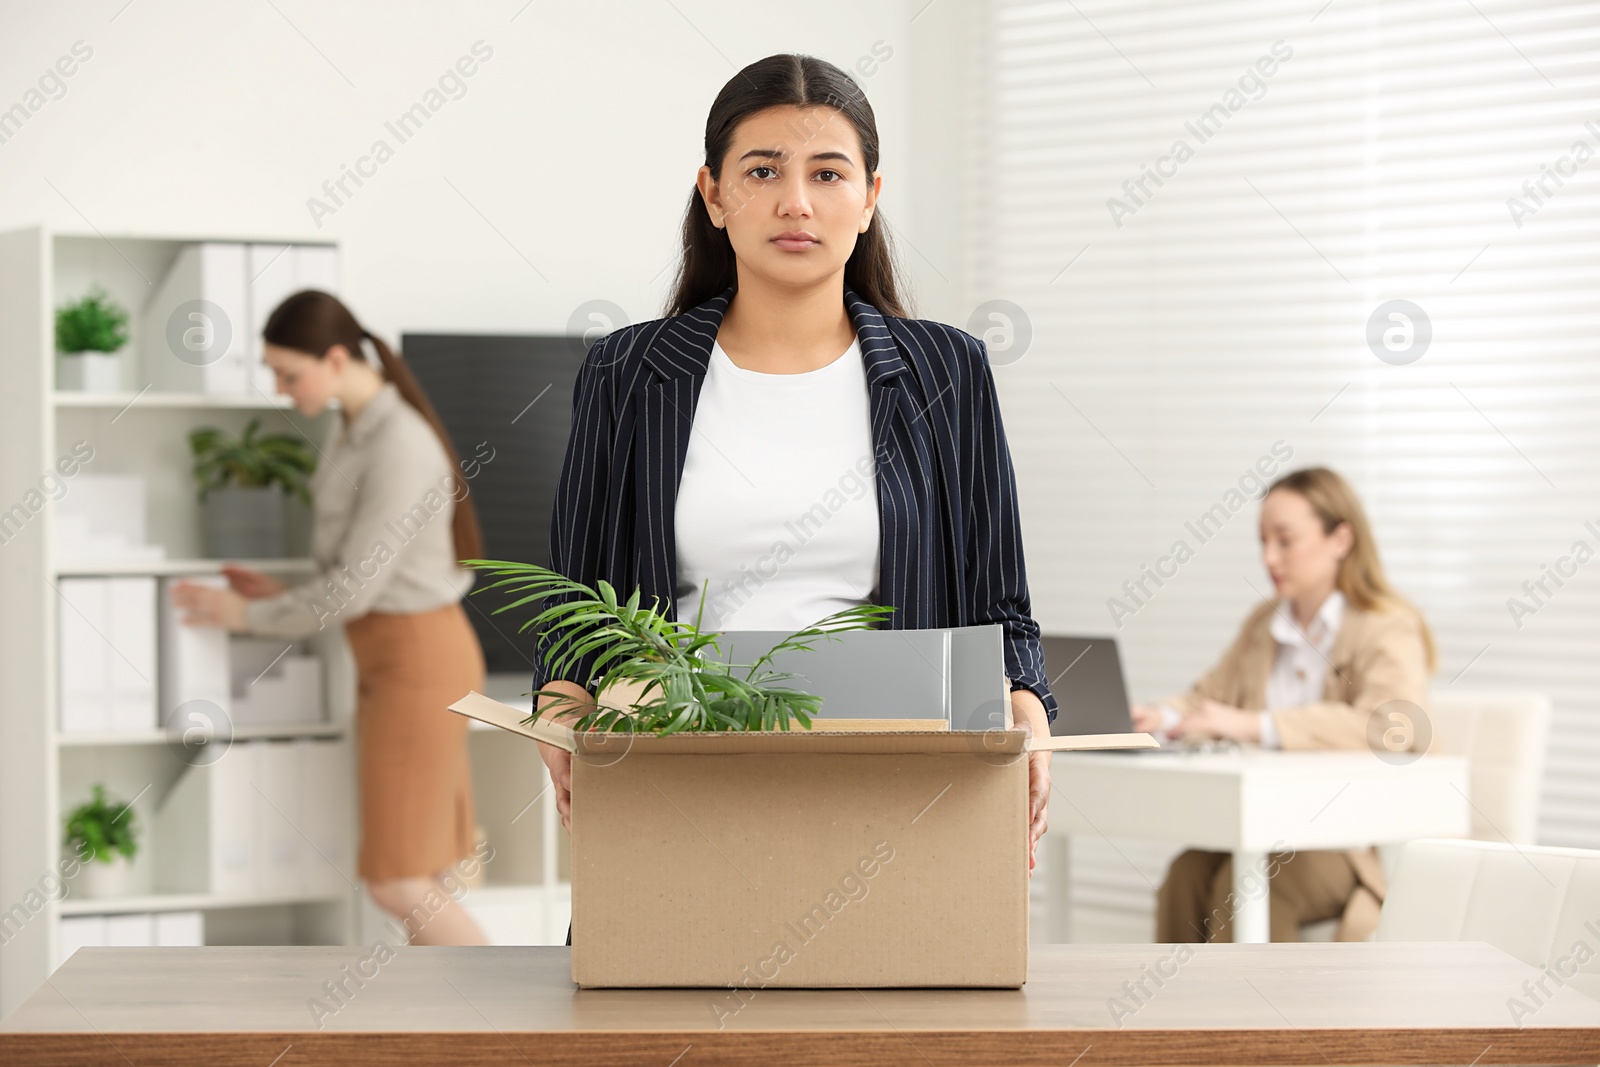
(154, 399)
(185, 902)
(169, 567)
(282, 732)
(191, 237)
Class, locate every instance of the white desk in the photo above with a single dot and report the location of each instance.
(1251, 802)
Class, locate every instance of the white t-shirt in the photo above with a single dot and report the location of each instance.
(778, 503)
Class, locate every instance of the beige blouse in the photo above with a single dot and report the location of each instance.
(381, 537)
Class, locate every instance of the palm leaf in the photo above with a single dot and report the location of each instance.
(681, 690)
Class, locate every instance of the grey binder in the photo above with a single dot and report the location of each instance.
(956, 674)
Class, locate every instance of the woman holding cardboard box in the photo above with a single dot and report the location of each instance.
(392, 519)
(1338, 660)
(787, 439)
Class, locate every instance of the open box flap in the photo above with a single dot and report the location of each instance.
(987, 742)
(486, 709)
(1091, 742)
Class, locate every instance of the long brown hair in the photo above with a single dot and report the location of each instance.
(1361, 576)
(312, 322)
(708, 266)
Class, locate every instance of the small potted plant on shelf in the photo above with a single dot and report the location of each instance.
(245, 482)
(656, 662)
(104, 835)
(90, 334)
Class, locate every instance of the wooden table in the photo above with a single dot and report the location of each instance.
(1252, 801)
(1224, 1004)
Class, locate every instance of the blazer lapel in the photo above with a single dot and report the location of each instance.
(1256, 665)
(1337, 684)
(900, 448)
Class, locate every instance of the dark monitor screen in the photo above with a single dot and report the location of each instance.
(507, 404)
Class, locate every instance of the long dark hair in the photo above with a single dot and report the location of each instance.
(708, 264)
(312, 322)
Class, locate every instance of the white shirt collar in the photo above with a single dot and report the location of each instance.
(1323, 629)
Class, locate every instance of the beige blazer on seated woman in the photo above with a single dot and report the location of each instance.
(1379, 656)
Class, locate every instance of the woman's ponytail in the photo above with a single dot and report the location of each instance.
(464, 524)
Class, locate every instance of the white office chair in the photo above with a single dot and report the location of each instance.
(1504, 736)
(1541, 905)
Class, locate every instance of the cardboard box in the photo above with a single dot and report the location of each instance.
(810, 859)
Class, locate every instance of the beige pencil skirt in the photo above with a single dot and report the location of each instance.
(415, 778)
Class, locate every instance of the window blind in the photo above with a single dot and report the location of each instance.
(1216, 240)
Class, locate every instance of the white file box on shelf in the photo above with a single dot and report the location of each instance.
(196, 328)
(106, 629)
(277, 272)
(266, 819)
(196, 687)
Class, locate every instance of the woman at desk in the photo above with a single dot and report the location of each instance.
(1307, 671)
(787, 437)
(391, 519)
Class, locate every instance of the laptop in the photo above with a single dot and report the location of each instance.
(1085, 676)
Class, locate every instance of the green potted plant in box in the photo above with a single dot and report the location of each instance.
(674, 687)
(244, 485)
(89, 335)
(104, 835)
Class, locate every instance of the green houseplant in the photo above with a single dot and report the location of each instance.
(104, 834)
(680, 690)
(244, 483)
(89, 334)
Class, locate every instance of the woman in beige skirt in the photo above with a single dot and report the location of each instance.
(391, 521)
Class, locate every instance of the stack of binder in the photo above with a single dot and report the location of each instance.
(203, 326)
(107, 653)
(165, 929)
(103, 518)
(273, 684)
(194, 663)
(270, 818)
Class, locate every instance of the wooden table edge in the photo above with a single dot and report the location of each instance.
(885, 1047)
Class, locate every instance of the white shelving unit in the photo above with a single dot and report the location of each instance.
(526, 894)
(154, 902)
(167, 568)
(144, 431)
(245, 733)
(150, 398)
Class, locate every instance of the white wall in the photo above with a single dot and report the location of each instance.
(558, 177)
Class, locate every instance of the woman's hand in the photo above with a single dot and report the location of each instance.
(1027, 711)
(1038, 804)
(1147, 718)
(1218, 720)
(558, 760)
(252, 585)
(203, 605)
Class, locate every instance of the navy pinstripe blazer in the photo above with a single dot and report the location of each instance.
(947, 497)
